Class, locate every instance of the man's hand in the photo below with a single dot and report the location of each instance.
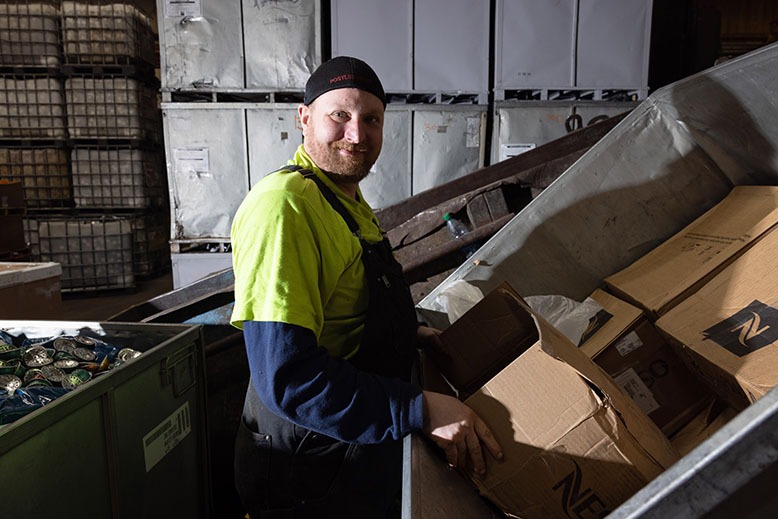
(427, 337)
(456, 429)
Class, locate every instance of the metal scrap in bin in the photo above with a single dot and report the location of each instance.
(36, 371)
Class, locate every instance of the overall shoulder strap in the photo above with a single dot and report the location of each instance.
(330, 196)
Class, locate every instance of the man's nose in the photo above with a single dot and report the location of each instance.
(354, 131)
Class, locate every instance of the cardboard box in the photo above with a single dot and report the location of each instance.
(727, 331)
(477, 348)
(574, 443)
(630, 349)
(678, 267)
(12, 210)
(30, 291)
(714, 415)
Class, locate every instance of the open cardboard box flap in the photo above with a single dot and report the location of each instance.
(561, 420)
(620, 316)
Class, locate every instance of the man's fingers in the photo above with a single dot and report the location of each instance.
(486, 436)
(459, 432)
(461, 454)
(456, 453)
(451, 454)
(475, 453)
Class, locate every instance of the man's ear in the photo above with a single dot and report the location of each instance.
(304, 113)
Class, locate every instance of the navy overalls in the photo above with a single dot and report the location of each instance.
(285, 471)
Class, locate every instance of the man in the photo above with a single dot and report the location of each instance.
(329, 325)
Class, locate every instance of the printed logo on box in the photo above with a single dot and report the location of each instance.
(578, 502)
(748, 330)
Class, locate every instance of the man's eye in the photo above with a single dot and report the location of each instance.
(339, 115)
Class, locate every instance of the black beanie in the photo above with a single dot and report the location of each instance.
(343, 72)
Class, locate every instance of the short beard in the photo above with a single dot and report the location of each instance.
(352, 169)
(343, 169)
(348, 178)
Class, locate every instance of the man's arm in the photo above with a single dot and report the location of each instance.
(301, 382)
(451, 424)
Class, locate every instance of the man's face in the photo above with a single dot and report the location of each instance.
(343, 132)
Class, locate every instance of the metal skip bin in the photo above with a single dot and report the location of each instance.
(677, 154)
(129, 443)
(209, 302)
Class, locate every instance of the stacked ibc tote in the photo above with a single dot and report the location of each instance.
(559, 66)
(81, 129)
(232, 76)
(433, 59)
(33, 133)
